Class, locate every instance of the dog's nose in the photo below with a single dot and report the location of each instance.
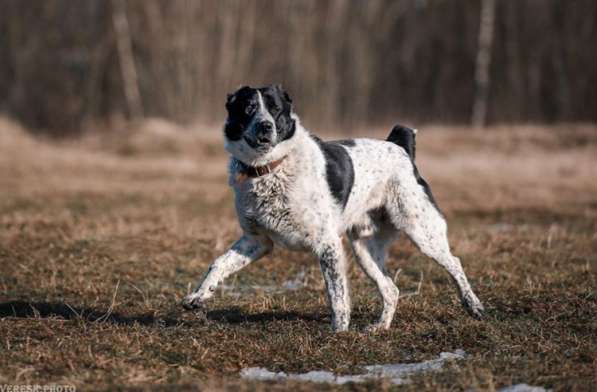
(264, 132)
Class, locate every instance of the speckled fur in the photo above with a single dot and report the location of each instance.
(293, 207)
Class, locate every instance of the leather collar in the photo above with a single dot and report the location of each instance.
(257, 171)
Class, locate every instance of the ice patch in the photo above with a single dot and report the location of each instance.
(398, 373)
(297, 283)
(523, 388)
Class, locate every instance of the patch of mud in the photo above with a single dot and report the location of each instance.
(397, 373)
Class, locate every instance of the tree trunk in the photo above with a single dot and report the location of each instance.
(483, 63)
(126, 59)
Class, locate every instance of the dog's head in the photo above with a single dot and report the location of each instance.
(259, 121)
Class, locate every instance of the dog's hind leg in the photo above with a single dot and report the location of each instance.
(242, 253)
(414, 213)
(370, 254)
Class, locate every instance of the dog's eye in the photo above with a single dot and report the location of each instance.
(250, 109)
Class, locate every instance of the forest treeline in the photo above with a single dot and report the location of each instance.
(66, 63)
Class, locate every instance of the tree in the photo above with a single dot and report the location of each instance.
(483, 63)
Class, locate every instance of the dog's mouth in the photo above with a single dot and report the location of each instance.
(256, 145)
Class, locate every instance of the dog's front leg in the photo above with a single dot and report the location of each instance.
(244, 251)
(332, 259)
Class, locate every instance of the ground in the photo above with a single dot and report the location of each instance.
(101, 237)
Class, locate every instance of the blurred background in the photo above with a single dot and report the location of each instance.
(114, 196)
(66, 65)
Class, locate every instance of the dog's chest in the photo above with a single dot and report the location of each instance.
(264, 206)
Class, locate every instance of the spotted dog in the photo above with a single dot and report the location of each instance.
(293, 189)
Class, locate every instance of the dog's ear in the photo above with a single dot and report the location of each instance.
(230, 98)
(283, 94)
(287, 97)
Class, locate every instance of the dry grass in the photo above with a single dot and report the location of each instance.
(100, 239)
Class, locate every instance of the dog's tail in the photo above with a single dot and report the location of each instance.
(405, 138)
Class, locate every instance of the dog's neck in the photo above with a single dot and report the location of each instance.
(285, 154)
(247, 171)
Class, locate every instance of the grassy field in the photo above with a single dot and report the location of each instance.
(100, 239)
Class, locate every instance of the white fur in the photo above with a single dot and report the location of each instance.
(293, 207)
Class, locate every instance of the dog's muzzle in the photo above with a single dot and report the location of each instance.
(263, 135)
(264, 132)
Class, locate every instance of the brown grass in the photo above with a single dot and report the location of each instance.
(101, 237)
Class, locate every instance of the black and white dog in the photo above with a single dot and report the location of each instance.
(293, 189)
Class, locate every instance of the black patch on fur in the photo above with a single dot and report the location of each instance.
(380, 215)
(237, 105)
(338, 168)
(279, 105)
(426, 188)
(243, 103)
(405, 138)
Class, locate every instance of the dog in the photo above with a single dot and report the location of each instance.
(295, 190)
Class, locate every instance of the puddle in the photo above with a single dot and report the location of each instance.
(397, 373)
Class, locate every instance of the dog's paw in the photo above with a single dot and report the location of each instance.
(475, 309)
(192, 302)
(340, 323)
(339, 328)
